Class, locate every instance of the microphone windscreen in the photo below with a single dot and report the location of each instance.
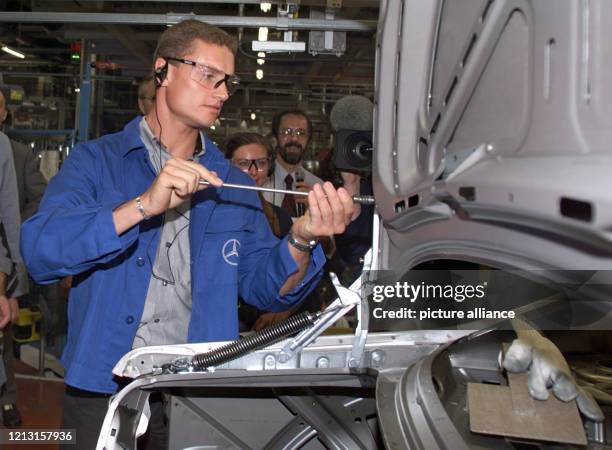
(353, 112)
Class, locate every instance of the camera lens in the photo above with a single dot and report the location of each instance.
(359, 151)
(353, 150)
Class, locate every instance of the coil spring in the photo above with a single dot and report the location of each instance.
(254, 341)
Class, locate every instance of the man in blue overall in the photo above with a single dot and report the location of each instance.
(158, 258)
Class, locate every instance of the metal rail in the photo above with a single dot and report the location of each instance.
(282, 23)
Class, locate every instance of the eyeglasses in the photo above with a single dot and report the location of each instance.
(293, 132)
(261, 164)
(209, 77)
(149, 99)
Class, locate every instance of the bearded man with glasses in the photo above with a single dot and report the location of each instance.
(147, 243)
(292, 130)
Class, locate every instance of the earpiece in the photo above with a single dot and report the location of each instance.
(160, 74)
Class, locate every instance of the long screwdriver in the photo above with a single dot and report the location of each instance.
(362, 199)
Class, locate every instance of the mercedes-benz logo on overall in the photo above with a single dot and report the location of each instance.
(230, 251)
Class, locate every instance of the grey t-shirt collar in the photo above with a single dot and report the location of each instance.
(158, 153)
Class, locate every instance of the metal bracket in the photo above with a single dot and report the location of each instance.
(347, 299)
(361, 330)
(363, 312)
(286, 13)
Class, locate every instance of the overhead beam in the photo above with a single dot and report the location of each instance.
(345, 3)
(282, 23)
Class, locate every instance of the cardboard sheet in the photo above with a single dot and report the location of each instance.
(511, 411)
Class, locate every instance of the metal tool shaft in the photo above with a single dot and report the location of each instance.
(362, 199)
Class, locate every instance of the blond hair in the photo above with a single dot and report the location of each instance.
(177, 41)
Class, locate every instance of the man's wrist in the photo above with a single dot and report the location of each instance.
(141, 208)
(302, 245)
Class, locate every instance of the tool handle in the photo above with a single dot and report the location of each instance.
(364, 199)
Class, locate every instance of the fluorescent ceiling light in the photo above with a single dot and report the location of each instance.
(261, 55)
(10, 51)
(261, 61)
(259, 74)
(278, 46)
(262, 34)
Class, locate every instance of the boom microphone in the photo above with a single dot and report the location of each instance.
(352, 117)
(353, 112)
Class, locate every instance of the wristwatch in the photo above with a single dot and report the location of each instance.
(303, 247)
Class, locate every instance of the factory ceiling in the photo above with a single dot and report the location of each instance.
(338, 36)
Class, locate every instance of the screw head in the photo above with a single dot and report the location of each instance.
(269, 361)
(377, 357)
(323, 362)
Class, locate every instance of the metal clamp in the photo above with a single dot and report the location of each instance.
(347, 299)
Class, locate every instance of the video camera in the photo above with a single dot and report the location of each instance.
(353, 150)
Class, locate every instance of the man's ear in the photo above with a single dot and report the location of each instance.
(161, 71)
